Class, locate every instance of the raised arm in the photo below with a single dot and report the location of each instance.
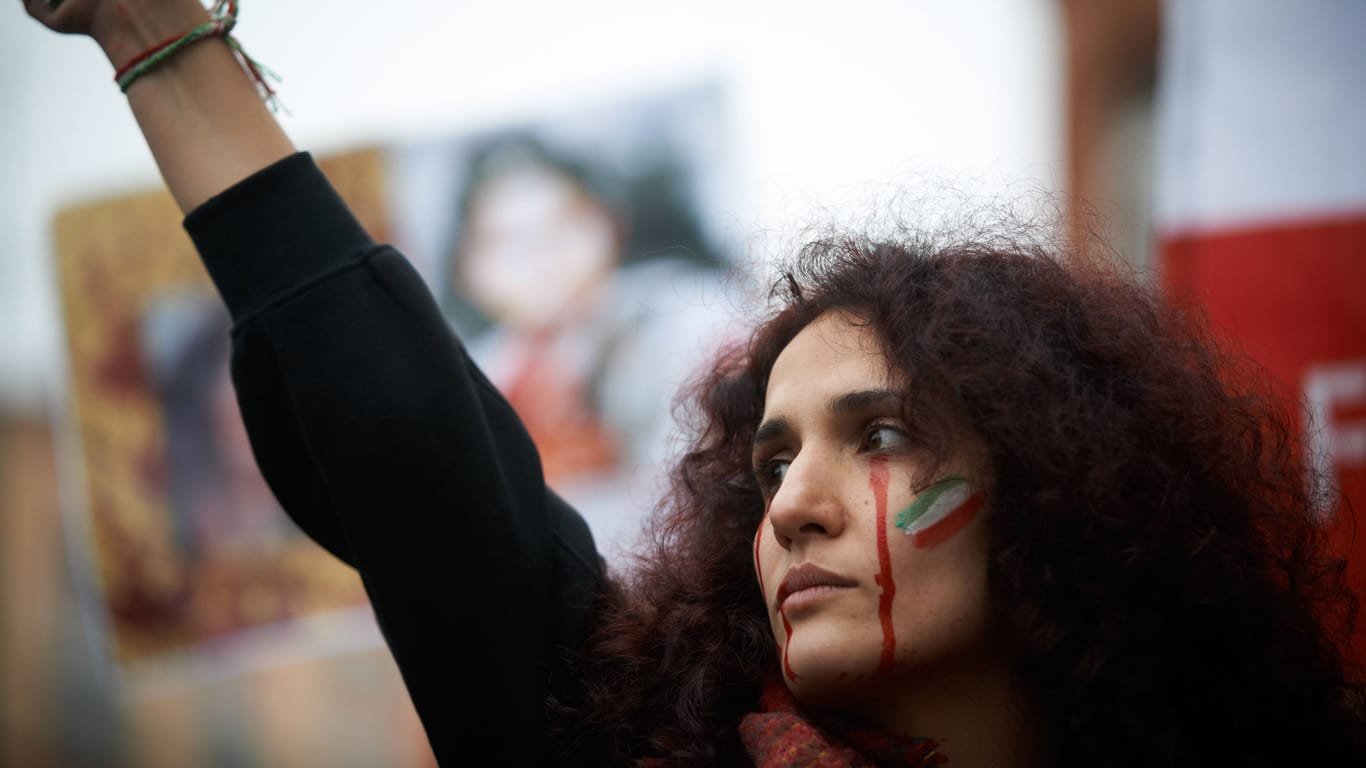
(200, 97)
(373, 428)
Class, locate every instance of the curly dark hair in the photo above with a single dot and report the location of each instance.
(1158, 565)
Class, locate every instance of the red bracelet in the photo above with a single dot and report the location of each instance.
(224, 19)
(145, 55)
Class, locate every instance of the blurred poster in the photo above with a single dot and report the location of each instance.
(1261, 211)
(187, 552)
(578, 258)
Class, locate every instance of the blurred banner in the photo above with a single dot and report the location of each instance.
(1261, 207)
(221, 634)
(578, 258)
(187, 548)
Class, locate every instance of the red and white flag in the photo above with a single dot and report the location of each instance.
(1260, 207)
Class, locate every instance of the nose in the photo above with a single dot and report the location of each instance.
(807, 504)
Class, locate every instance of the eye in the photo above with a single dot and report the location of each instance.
(770, 472)
(883, 438)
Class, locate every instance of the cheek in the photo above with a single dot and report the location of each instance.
(941, 542)
(766, 551)
(944, 600)
(939, 513)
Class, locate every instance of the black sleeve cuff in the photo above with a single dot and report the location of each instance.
(272, 232)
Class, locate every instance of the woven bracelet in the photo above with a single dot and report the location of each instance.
(224, 19)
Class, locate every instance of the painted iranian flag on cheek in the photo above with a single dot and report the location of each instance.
(939, 512)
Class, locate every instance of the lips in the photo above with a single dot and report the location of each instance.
(810, 576)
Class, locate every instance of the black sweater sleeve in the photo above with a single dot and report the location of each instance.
(390, 448)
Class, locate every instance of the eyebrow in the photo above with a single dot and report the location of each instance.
(862, 400)
(843, 405)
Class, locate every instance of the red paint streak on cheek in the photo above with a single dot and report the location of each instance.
(787, 645)
(877, 481)
(955, 522)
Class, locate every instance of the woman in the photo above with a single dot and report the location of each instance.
(957, 500)
(1130, 571)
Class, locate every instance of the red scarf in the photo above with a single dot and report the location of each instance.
(783, 735)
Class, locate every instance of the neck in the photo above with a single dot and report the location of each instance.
(971, 709)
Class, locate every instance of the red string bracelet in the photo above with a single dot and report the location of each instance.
(224, 19)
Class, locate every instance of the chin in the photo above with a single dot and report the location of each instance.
(832, 662)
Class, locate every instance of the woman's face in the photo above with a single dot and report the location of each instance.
(873, 572)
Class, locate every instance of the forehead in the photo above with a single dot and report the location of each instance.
(835, 354)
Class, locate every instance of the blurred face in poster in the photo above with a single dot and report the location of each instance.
(535, 247)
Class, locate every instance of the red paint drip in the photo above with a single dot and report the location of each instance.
(956, 521)
(877, 480)
(787, 627)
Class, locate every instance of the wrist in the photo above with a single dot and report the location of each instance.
(126, 28)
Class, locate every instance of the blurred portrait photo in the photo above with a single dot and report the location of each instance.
(578, 258)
